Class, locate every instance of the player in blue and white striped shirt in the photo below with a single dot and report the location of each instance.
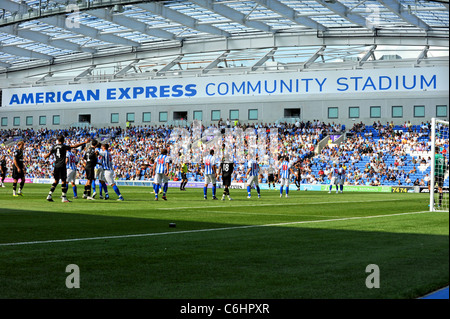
(334, 178)
(161, 170)
(209, 172)
(252, 177)
(100, 175)
(285, 175)
(108, 169)
(71, 166)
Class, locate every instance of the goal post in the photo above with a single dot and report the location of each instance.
(439, 175)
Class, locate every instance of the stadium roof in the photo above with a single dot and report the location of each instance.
(126, 36)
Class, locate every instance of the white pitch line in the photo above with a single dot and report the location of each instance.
(204, 230)
(277, 204)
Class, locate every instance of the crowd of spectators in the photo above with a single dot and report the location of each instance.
(374, 154)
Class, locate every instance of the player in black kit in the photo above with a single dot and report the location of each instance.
(3, 170)
(18, 171)
(91, 159)
(59, 150)
(226, 169)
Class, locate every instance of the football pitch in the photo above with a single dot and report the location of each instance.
(313, 245)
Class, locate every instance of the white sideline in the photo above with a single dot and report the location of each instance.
(204, 230)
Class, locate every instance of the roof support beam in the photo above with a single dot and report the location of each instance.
(263, 60)
(214, 63)
(423, 54)
(233, 15)
(168, 66)
(178, 17)
(346, 13)
(132, 24)
(4, 65)
(405, 14)
(125, 69)
(289, 13)
(18, 51)
(61, 22)
(367, 55)
(88, 71)
(315, 56)
(44, 39)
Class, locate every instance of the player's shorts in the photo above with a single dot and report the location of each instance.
(210, 179)
(439, 180)
(160, 179)
(284, 182)
(341, 181)
(100, 174)
(271, 178)
(183, 176)
(109, 176)
(334, 180)
(60, 173)
(252, 180)
(71, 175)
(16, 175)
(90, 173)
(226, 181)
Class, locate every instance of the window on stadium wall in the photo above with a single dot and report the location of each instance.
(130, 117)
(253, 115)
(397, 111)
(353, 112)
(198, 115)
(146, 117)
(375, 111)
(234, 115)
(56, 120)
(441, 111)
(4, 121)
(114, 118)
(29, 120)
(215, 115)
(419, 111)
(16, 121)
(163, 117)
(333, 112)
(42, 120)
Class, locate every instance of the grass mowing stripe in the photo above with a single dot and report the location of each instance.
(204, 230)
(279, 204)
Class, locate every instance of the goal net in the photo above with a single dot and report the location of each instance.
(439, 177)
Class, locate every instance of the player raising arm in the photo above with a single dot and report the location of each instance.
(59, 150)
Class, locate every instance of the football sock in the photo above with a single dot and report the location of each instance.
(214, 191)
(74, 191)
(205, 191)
(116, 189)
(281, 190)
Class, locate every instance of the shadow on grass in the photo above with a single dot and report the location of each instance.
(257, 262)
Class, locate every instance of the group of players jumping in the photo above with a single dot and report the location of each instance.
(98, 165)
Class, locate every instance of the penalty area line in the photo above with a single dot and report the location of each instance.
(204, 230)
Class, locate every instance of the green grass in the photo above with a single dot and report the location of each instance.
(312, 245)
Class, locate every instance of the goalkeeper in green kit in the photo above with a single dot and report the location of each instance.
(439, 172)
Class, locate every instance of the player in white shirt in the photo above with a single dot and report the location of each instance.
(252, 177)
(210, 173)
